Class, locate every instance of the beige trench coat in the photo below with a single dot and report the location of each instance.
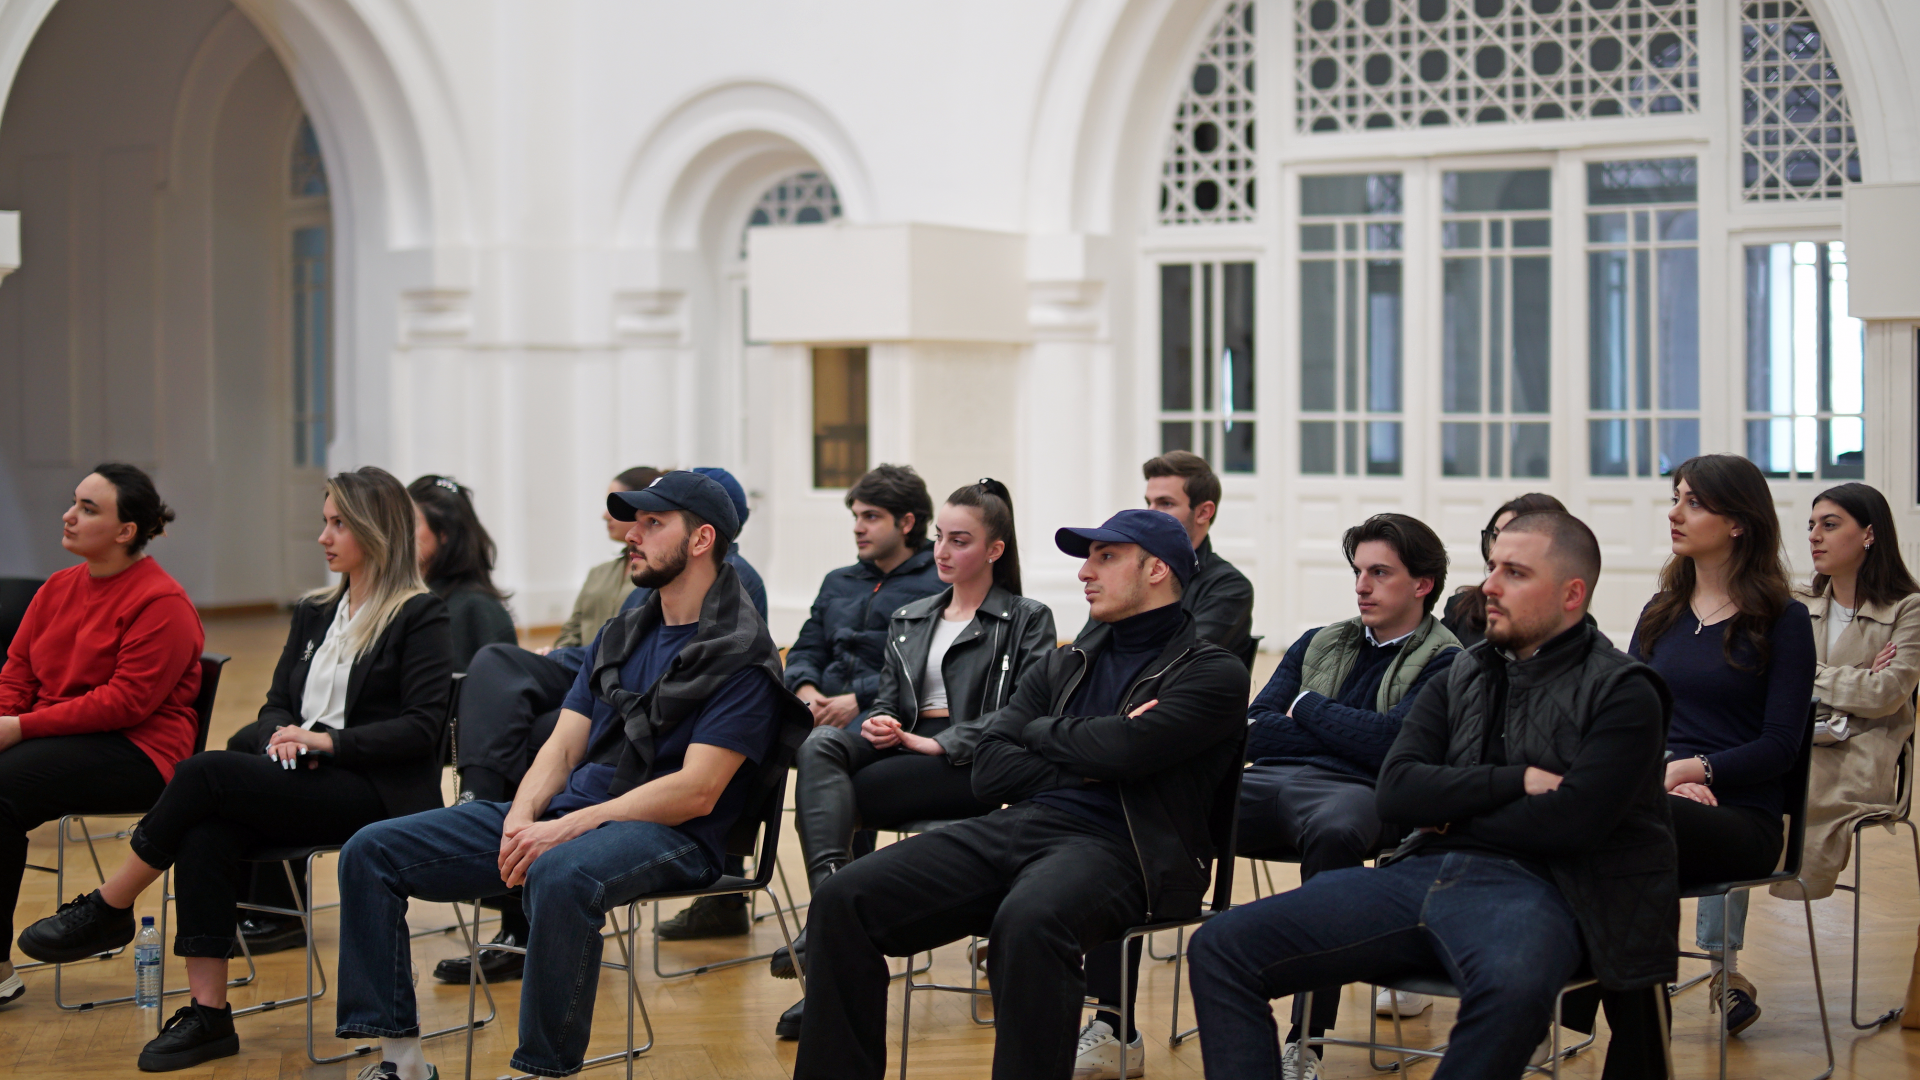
(1857, 778)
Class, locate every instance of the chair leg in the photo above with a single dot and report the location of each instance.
(1819, 991)
(1859, 861)
(1174, 1035)
(1126, 1010)
(906, 1024)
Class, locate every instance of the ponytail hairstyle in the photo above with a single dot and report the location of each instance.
(1471, 608)
(995, 503)
(1757, 579)
(466, 554)
(1883, 576)
(136, 502)
(378, 512)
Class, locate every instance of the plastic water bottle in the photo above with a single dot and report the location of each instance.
(146, 965)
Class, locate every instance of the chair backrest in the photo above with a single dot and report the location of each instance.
(772, 805)
(211, 665)
(449, 751)
(1796, 795)
(1223, 826)
(15, 595)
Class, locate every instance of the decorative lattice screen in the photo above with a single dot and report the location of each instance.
(1796, 130)
(1207, 176)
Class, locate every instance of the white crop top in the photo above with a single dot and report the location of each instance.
(933, 682)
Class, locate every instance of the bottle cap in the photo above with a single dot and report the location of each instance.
(146, 920)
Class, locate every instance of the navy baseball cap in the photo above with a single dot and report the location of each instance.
(1160, 535)
(680, 490)
(734, 491)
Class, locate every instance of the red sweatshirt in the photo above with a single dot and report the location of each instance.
(118, 653)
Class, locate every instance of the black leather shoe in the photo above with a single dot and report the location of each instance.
(708, 917)
(788, 1026)
(265, 936)
(781, 965)
(195, 1034)
(495, 966)
(84, 926)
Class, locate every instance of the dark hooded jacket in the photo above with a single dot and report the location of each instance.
(843, 644)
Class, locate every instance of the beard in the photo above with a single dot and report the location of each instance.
(661, 575)
(1514, 634)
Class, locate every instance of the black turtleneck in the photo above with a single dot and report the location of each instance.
(1132, 645)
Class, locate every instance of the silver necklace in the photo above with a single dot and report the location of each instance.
(1700, 623)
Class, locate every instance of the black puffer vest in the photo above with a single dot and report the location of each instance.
(1625, 891)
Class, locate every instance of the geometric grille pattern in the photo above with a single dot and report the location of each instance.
(802, 198)
(1446, 63)
(1795, 129)
(1208, 172)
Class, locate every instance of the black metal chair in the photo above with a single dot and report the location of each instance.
(15, 594)
(1901, 816)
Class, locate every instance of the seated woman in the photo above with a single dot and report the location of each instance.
(347, 737)
(1466, 611)
(953, 659)
(456, 561)
(98, 687)
(1737, 651)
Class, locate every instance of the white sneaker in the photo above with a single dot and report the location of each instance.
(11, 989)
(1098, 1056)
(1389, 1002)
(1299, 1062)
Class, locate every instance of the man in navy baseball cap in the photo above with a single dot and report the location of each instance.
(1155, 533)
(682, 489)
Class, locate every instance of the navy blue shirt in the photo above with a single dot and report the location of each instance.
(1343, 733)
(738, 717)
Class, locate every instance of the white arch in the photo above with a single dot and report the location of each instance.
(1873, 42)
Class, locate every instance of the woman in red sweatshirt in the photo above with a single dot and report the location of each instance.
(97, 692)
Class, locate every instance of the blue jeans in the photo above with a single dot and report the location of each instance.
(1504, 937)
(1721, 921)
(453, 854)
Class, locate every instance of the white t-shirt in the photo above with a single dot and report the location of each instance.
(1838, 619)
(933, 682)
(324, 700)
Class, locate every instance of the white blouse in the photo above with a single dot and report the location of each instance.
(324, 701)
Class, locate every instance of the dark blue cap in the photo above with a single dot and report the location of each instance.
(1160, 535)
(680, 490)
(734, 491)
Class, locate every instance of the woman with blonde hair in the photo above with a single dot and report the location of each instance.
(347, 737)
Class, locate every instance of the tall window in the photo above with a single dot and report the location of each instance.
(1496, 299)
(1207, 174)
(1806, 375)
(311, 293)
(1795, 126)
(1206, 362)
(1351, 313)
(1643, 316)
(839, 415)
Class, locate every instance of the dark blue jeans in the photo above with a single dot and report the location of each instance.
(453, 854)
(1505, 937)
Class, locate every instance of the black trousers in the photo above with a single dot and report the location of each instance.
(509, 703)
(1045, 885)
(43, 779)
(224, 804)
(1326, 818)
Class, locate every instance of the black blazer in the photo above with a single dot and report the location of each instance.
(396, 701)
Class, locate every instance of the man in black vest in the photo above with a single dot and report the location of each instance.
(1534, 773)
(1110, 756)
(676, 726)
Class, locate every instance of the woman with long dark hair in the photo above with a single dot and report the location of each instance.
(1466, 611)
(1737, 651)
(456, 561)
(348, 736)
(953, 659)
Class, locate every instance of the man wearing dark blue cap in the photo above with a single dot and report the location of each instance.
(676, 726)
(1109, 757)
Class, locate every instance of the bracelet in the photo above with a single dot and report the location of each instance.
(1708, 766)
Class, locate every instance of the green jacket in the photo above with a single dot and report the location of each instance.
(1331, 654)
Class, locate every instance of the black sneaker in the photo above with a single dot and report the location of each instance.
(781, 966)
(494, 966)
(788, 1026)
(195, 1034)
(84, 926)
(708, 917)
(264, 935)
(1745, 1008)
(387, 1070)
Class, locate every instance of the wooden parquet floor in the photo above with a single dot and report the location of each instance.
(720, 1024)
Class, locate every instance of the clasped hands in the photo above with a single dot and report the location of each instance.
(522, 840)
(290, 742)
(885, 733)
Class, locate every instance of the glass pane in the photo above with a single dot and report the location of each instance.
(1460, 235)
(1679, 225)
(1352, 233)
(1657, 180)
(1316, 448)
(1175, 435)
(1496, 444)
(1350, 195)
(1770, 446)
(1607, 447)
(1530, 450)
(1350, 447)
(1532, 233)
(1497, 189)
(1383, 237)
(1318, 335)
(1640, 230)
(1209, 354)
(1236, 444)
(1459, 449)
(1759, 327)
(1176, 338)
(1642, 330)
(1679, 440)
(1843, 449)
(1643, 447)
(1496, 234)
(1383, 448)
(1496, 326)
(1383, 335)
(1236, 377)
(1316, 238)
(1679, 328)
(839, 416)
(1350, 306)
(1607, 332)
(1460, 335)
(1607, 228)
(312, 354)
(1532, 305)
(1846, 363)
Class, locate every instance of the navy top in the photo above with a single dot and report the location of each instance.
(1748, 723)
(738, 717)
(1343, 733)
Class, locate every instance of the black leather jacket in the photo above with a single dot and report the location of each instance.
(1008, 637)
(1220, 599)
(1168, 762)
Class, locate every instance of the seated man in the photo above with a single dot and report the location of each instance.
(1110, 754)
(1534, 774)
(676, 726)
(1317, 735)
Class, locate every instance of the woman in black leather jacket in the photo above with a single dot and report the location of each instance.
(953, 659)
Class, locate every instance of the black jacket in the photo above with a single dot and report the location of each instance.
(1008, 637)
(474, 618)
(1169, 762)
(1220, 599)
(396, 701)
(843, 644)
